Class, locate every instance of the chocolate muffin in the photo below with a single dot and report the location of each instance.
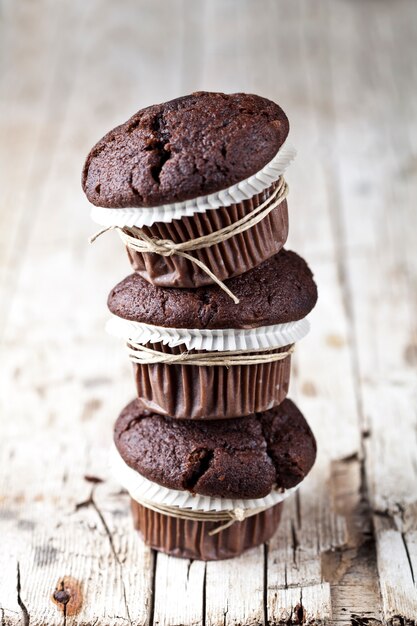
(279, 290)
(183, 149)
(180, 151)
(240, 458)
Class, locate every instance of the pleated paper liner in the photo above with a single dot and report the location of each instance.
(191, 539)
(221, 339)
(203, 392)
(245, 190)
(226, 259)
(211, 392)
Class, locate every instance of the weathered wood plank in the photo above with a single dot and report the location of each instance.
(179, 592)
(320, 536)
(235, 590)
(48, 535)
(396, 577)
(372, 220)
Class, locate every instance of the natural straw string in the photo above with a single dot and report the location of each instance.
(140, 242)
(147, 356)
(228, 517)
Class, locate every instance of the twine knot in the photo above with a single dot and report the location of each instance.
(136, 239)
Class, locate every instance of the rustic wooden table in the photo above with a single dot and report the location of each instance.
(345, 72)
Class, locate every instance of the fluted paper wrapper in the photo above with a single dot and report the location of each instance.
(203, 392)
(245, 190)
(226, 259)
(206, 392)
(218, 339)
(192, 540)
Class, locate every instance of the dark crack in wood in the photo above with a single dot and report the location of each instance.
(25, 612)
(153, 588)
(204, 599)
(265, 594)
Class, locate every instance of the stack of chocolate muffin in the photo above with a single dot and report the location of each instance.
(210, 447)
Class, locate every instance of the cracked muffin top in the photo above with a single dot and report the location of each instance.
(235, 458)
(183, 149)
(277, 291)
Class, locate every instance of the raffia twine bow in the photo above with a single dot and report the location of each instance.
(227, 517)
(136, 239)
(142, 355)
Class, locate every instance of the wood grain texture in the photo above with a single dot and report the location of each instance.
(346, 551)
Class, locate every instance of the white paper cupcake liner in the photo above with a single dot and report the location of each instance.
(275, 336)
(141, 488)
(246, 189)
